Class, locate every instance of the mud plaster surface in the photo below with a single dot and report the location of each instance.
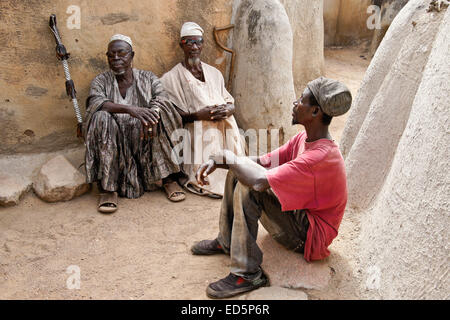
(403, 245)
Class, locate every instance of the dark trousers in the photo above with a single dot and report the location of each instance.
(241, 209)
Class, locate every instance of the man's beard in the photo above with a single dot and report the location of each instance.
(194, 62)
(119, 73)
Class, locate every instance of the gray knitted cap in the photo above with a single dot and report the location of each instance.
(333, 96)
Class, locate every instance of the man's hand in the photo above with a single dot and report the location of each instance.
(216, 160)
(216, 112)
(222, 112)
(204, 171)
(149, 119)
(205, 114)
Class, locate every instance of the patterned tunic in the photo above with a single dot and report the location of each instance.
(116, 157)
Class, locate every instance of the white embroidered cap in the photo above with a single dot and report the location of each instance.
(121, 37)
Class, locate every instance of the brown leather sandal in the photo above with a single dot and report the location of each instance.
(174, 192)
(108, 202)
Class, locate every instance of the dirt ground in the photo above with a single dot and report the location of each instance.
(142, 250)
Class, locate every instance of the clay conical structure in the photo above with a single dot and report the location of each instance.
(269, 61)
(396, 145)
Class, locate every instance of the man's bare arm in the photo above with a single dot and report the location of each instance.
(145, 115)
(185, 116)
(249, 173)
(246, 170)
(255, 159)
(148, 117)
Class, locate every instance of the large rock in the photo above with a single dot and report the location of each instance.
(58, 180)
(263, 80)
(275, 293)
(12, 189)
(288, 269)
(403, 246)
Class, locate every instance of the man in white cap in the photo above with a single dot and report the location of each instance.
(128, 127)
(298, 193)
(198, 91)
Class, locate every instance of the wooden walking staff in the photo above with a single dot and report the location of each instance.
(223, 47)
(63, 55)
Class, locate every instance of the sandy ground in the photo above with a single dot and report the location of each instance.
(141, 251)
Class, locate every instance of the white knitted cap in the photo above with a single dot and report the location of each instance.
(191, 29)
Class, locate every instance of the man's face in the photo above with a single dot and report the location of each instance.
(192, 46)
(120, 55)
(302, 110)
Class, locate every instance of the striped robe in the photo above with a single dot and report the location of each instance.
(115, 155)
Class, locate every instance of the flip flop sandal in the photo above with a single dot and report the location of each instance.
(214, 196)
(172, 188)
(107, 202)
(201, 192)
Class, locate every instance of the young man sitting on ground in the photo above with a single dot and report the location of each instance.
(298, 192)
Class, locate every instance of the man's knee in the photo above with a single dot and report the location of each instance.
(257, 196)
(230, 178)
(250, 203)
(101, 117)
(101, 120)
(248, 194)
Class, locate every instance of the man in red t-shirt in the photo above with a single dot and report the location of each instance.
(298, 192)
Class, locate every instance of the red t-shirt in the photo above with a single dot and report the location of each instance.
(311, 176)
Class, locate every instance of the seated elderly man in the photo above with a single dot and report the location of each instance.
(298, 192)
(127, 130)
(198, 91)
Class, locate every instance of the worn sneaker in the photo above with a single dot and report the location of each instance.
(233, 285)
(207, 247)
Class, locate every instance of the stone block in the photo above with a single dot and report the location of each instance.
(12, 189)
(59, 180)
(289, 269)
